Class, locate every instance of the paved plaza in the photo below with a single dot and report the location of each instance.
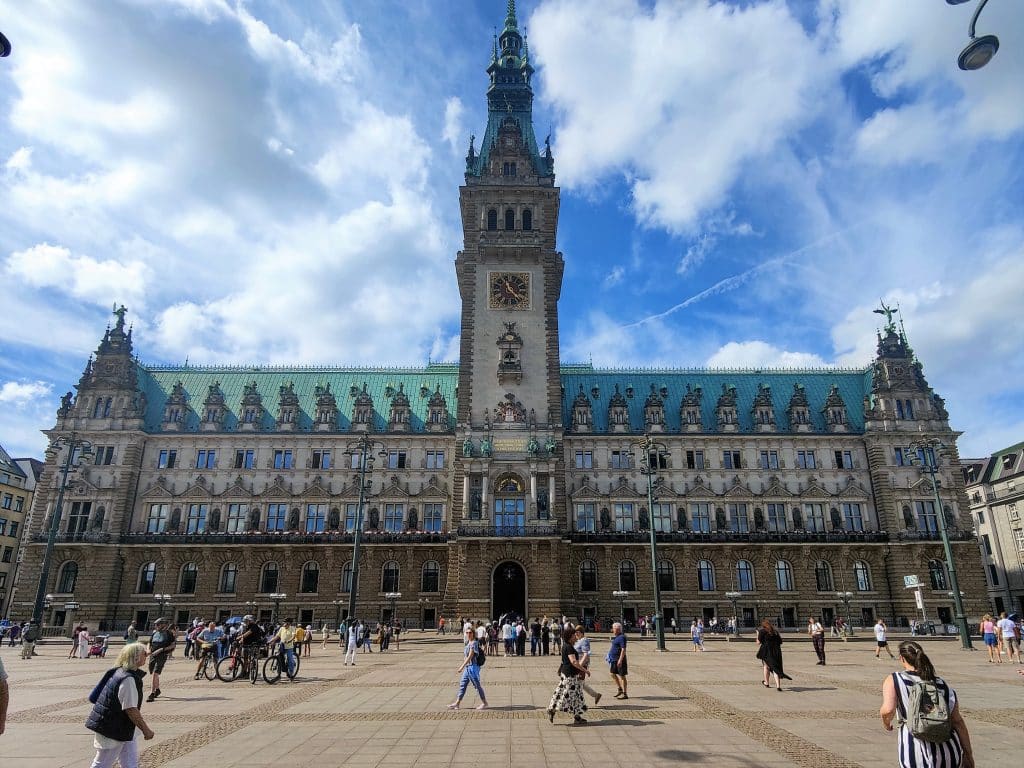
(389, 710)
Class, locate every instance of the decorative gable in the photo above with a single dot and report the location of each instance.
(326, 409)
(175, 409)
(582, 413)
(362, 411)
(214, 409)
(287, 408)
(836, 416)
(618, 412)
(763, 411)
(725, 410)
(437, 411)
(252, 409)
(654, 412)
(798, 412)
(400, 415)
(689, 409)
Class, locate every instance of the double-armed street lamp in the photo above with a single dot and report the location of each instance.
(162, 600)
(649, 448)
(78, 450)
(361, 449)
(424, 604)
(980, 50)
(394, 597)
(278, 598)
(733, 597)
(337, 611)
(925, 452)
(621, 595)
(845, 597)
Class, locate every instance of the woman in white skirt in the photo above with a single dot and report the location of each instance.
(568, 696)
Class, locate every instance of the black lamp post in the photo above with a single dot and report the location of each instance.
(394, 598)
(77, 450)
(649, 446)
(845, 597)
(733, 598)
(337, 611)
(980, 50)
(162, 600)
(278, 598)
(361, 448)
(621, 594)
(926, 453)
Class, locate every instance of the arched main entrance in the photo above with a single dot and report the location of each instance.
(508, 590)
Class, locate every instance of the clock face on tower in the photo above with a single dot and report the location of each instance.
(508, 290)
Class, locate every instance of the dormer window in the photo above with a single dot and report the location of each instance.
(249, 416)
(508, 169)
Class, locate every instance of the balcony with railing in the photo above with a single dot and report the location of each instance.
(253, 537)
(508, 531)
(726, 537)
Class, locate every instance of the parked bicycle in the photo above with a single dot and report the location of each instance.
(277, 662)
(207, 662)
(242, 662)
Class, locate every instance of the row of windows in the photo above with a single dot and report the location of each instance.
(526, 218)
(284, 458)
(736, 518)
(731, 459)
(8, 527)
(241, 517)
(12, 502)
(742, 578)
(269, 581)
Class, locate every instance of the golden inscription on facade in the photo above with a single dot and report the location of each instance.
(509, 446)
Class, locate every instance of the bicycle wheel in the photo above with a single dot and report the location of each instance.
(228, 669)
(254, 669)
(295, 670)
(271, 670)
(209, 668)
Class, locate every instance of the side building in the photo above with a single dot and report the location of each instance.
(509, 481)
(995, 487)
(16, 484)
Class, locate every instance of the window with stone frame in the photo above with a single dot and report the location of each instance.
(188, 578)
(389, 575)
(861, 576)
(316, 518)
(157, 520)
(627, 576)
(784, 576)
(309, 582)
(147, 579)
(433, 518)
(705, 576)
(776, 517)
(67, 578)
(623, 516)
(814, 518)
(277, 517)
(927, 519)
(744, 576)
(394, 514)
(739, 521)
(588, 576)
(586, 517)
(238, 518)
(346, 577)
(78, 516)
(661, 517)
(228, 579)
(937, 574)
(823, 576)
(853, 517)
(269, 578)
(700, 517)
(430, 577)
(196, 520)
(321, 459)
(351, 512)
(666, 576)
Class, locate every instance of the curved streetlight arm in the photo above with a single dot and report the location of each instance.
(974, 19)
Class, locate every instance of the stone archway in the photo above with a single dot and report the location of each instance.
(508, 590)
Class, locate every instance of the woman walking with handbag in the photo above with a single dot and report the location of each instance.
(568, 695)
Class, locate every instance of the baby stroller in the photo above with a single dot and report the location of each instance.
(99, 646)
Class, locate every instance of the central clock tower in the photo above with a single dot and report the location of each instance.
(510, 279)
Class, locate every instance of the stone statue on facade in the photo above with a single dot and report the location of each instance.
(550, 446)
(467, 448)
(606, 519)
(888, 311)
(485, 448)
(533, 447)
(374, 522)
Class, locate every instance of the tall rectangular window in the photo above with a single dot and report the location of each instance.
(237, 517)
(661, 517)
(738, 520)
(620, 460)
(157, 520)
(351, 511)
(814, 517)
(1018, 538)
(433, 517)
(8, 501)
(695, 459)
(393, 516)
(206, 459)
(993, 572)
(78, 518)
(316, 518)
(806, 460)
(435, 459)
(585, 518)
(769, 459)
(196, 522)
(167, 459)
(844, 460)
(283, 459)
(700, 517)
(19, 504)
(396, 459)
(986, 543)
(245, 459)
(731, 460)
(3, 526)
(927, 520)
(658, 460)
(8, 554)
(321, 459)
(277, 517)
(584, 459)
(104, 455)
(776, 518)
(900, 458)
(853, 518)
(623, 516)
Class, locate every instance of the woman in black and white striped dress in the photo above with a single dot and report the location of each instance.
(913, 752)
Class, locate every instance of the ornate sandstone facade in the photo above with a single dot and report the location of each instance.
(509, 481)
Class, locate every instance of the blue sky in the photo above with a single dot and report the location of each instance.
(741, 182)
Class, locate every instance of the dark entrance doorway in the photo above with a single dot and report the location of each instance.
(508, 592)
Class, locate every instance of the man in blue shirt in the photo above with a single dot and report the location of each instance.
(616, 659)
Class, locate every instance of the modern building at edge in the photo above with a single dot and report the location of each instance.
(510, 480)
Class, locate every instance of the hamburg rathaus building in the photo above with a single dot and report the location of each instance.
(506, 482)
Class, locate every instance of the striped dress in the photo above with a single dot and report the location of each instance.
(914, 753)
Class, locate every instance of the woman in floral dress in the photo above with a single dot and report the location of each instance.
(568, 696)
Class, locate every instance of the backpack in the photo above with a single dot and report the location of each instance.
(927, 712)
(481, 657)
(94, 696)
(31, 634)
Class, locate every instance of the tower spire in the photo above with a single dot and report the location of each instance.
(510, 17)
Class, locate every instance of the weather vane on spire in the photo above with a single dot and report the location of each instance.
(888, 311)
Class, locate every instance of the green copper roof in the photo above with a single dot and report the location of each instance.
(671, 386)
(382, 384)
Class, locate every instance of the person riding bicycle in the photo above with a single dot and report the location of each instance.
(208, 643)
(250, 637)
(286, 636)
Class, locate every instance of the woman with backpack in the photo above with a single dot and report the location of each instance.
(470, 669)
(932, 732)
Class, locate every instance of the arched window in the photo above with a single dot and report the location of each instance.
(862, 576)
(346, 577)
(627, 576)
(705, 576)
(389, 577)
(268, 578)
(492, 220)
(588, 576)
(310, 581)
(510, 219)
(187, 580)
(784, 576)
(431, 577)
(147, 579)
(823, 576)
(744, 576)
(67, 577)
(666, 576)
(527, 219)
(228, 577)
(937, 574)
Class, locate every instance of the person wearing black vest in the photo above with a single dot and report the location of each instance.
(116, 711)
(161, 644)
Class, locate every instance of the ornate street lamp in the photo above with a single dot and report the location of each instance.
(648, 446)
(162, 600)
(424, 604)
(337, 611)
(361, 448)
(251, 608)
(845, 597)
(926, 453)
(77, 451)
(394, 597)
(621, 595)
(278, 598)
(733, 597)
(980, 50)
